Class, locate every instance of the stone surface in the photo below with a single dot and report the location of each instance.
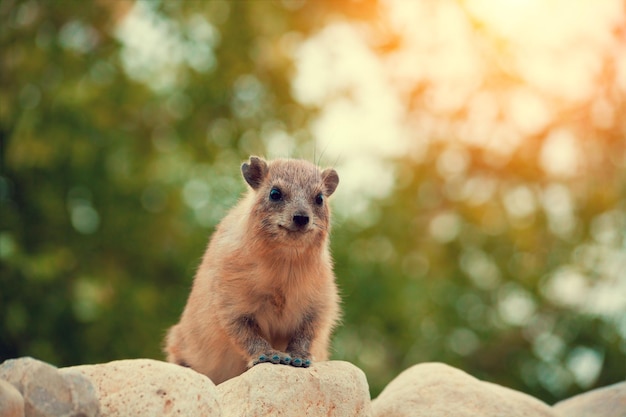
(29, 387)
(145, 387)
(606, 402)
(11, 401)
(47, 392)
(332, 388)
(438, 390)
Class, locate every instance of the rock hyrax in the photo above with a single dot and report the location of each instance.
(265, 290)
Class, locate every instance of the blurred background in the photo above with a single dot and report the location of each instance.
(481, 144)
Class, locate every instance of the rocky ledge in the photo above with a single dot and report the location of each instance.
(145, 387)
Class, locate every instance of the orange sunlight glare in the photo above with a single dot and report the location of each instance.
(487, 72)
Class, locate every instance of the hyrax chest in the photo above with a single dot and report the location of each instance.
(287, 230)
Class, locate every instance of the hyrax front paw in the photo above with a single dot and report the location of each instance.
(272, 356)
(300, 358)
(276, 357)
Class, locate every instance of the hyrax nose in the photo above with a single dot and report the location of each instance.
(300, 220)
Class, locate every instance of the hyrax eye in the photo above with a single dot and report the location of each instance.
(319, 199)
(275, 194)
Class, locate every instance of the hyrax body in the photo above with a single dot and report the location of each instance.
(265, 290)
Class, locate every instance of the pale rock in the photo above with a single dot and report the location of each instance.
(333, 388)
(48, 392)
(29, 387)
(146, 387)
(438, 390)
(608, 401)
(11, 401)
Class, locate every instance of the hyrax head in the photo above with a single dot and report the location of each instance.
(291, 199)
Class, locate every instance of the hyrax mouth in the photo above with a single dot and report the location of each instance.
(295, 230)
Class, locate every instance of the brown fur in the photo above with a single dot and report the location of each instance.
(265, 285)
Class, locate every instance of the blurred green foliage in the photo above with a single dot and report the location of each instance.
(117, 166)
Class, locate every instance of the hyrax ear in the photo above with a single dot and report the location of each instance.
(330, 179)
(254, 172)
